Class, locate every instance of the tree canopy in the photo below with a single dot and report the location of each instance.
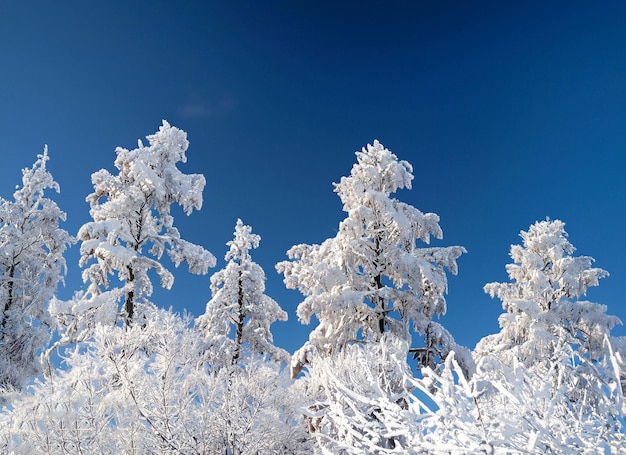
(135, 378)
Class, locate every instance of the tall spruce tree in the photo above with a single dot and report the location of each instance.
(132, 226)
(371, 288)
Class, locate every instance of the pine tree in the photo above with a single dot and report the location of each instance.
(31, 266)
(239, 303)
(239, 351)
(371, 287)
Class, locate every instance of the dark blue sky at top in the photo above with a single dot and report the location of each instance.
(509, 112)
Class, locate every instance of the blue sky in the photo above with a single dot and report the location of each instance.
(510, 112)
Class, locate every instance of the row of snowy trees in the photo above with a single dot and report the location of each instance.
(121, 375)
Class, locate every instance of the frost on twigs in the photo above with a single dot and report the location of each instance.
(363, 400)
(144, 390)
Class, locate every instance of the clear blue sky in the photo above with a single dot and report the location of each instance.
(509, 112)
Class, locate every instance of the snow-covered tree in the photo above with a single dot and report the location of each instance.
(239, 305)
(553, 351)
(131, 229)
(543, 313)
(371, 288)
(31, 266)
(371, 278)
(254, 397)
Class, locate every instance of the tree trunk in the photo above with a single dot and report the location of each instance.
(239, 323)
(129, 305)
(7, 305)
(378, 282)
(382, 319)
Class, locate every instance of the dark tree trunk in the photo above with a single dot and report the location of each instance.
(378, 282)
(239, 323)
(382, 320)
(129, 305)
(9, 302)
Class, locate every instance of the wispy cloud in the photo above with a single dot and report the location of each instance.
(200, 108)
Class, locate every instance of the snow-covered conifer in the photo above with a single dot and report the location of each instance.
(31, 266)
(553, 351)
(239, 305)
(543, 313)
(132, 226)
(371, 278)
